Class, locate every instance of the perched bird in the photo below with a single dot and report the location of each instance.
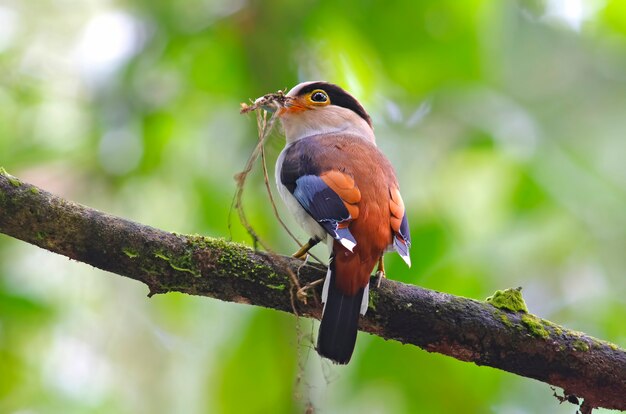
(342, 190)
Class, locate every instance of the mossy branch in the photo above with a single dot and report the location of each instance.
(497, 333)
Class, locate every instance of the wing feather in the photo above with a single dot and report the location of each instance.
(327, 207)
(399, 225)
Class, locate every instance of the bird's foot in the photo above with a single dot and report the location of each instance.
(303, 251)
(380, 273)
(302, 256)
(301, 294)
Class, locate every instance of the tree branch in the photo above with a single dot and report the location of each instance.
(499, 334)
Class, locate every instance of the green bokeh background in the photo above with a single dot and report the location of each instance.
(506, 121)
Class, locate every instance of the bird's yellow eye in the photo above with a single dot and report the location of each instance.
(318, 97)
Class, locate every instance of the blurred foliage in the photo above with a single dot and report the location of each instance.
(505, 121)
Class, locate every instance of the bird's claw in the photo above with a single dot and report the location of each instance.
(301, 294)
(302, 256)
(303, 252)
(380, 275)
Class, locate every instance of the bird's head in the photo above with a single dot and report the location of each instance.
(312, 108)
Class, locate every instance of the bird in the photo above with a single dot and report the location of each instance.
(343, 191)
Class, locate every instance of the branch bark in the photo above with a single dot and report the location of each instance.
(466, 329)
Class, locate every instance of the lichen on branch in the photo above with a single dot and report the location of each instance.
(499, 332)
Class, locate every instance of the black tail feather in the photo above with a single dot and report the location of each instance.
(340, 322)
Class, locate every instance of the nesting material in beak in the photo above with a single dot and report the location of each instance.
(270, 103)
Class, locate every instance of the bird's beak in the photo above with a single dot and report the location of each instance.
(292, 105)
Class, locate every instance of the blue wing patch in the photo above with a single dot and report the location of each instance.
(325, 206)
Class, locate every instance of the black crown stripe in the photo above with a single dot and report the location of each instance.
(338, 97)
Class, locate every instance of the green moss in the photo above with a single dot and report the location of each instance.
(130, 252)
(34, 190)
(534, 326)
(509, 299)
(373, 299)
(181, 264)
(581, 345)
(186, 262)
(225, 259)
(41, 235)
(12, 180)
(232, 254)
(505, 319)
(577, 334)
(599, 343)
(555, 328)
(235, 257)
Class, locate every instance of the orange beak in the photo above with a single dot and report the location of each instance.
(293, 105)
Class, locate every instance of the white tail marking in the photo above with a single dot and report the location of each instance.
(365, 302)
